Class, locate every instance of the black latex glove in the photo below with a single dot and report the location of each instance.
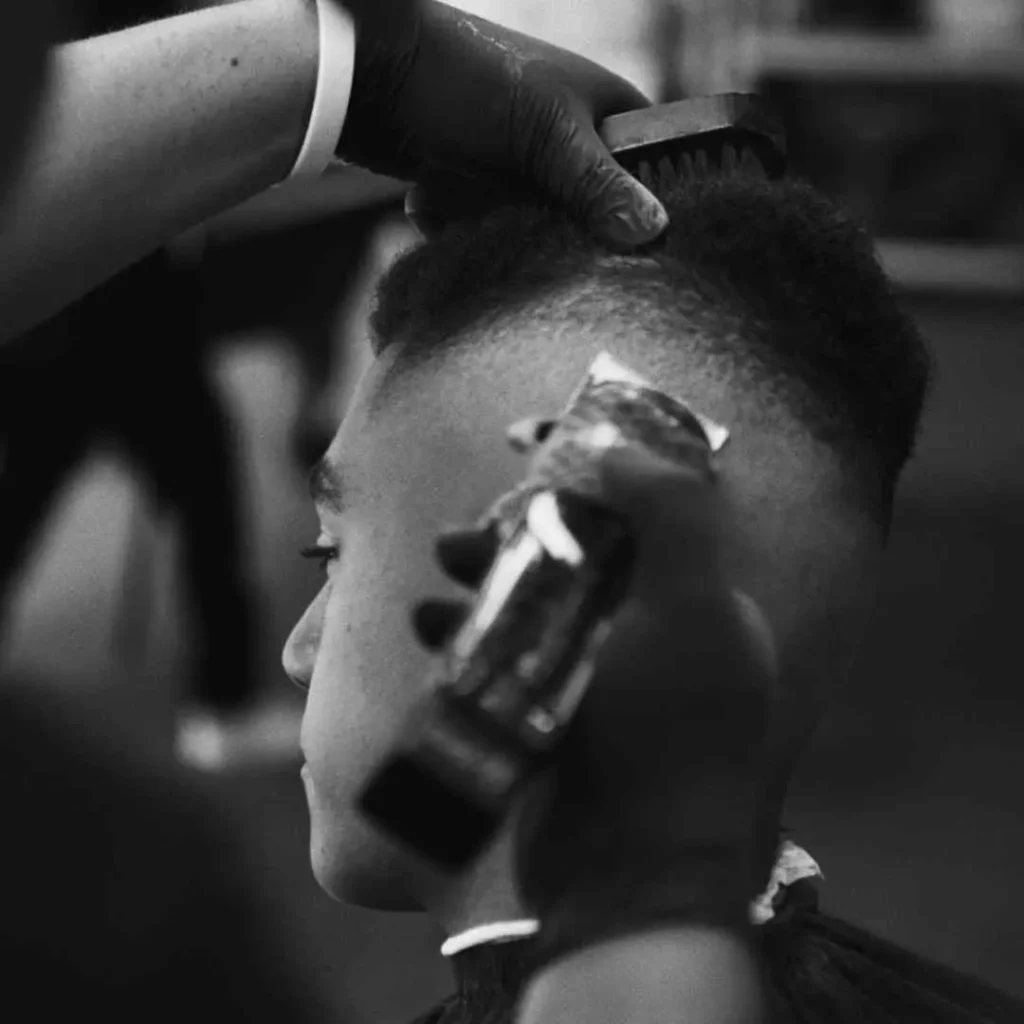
(470, 111)
(654, 810)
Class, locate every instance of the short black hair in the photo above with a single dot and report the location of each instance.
(773, 275)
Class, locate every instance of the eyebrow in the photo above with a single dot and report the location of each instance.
(325, 486)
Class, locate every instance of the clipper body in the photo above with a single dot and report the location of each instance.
(514, 674)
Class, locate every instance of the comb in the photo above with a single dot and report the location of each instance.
(707, 135)
(728, 133)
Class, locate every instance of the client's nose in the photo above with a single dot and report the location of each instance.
(300, 650)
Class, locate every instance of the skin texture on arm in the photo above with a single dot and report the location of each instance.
(680, 975)
(208, 109)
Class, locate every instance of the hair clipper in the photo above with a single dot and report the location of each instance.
(512, 677)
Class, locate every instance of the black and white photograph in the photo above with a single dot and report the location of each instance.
(512, 511)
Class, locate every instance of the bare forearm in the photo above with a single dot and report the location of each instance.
(672, 976)
(147, 132)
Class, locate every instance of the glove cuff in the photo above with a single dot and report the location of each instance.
(335, 71)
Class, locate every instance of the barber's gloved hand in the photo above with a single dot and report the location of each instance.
(655, 810)
(472, 111)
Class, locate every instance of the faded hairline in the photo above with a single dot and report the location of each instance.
(781, 285)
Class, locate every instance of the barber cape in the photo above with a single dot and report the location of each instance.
(819, 969)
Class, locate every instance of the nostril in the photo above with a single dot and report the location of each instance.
(301, 683)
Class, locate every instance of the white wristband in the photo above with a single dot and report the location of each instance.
(333, 90)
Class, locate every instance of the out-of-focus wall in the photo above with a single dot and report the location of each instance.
(912, 793)
(611, 32)
(682, 46)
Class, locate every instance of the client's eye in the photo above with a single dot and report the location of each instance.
(323, 553)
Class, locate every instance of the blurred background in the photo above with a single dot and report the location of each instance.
(150, 573)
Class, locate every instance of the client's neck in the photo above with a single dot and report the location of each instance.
(482, 895)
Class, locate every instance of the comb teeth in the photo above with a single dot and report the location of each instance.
(666, 171)
(698, 138)
(682, 169)
(661, 173)
(751, 164)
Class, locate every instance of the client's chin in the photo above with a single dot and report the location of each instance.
(356, 865)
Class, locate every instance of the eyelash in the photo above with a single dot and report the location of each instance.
(324, 553)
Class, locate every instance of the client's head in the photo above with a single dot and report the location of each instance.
(763, 307)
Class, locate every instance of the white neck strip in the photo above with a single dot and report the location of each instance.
(792, 863)
(498, 931)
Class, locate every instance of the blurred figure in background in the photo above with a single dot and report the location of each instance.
(129, 367)
(307, 283)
